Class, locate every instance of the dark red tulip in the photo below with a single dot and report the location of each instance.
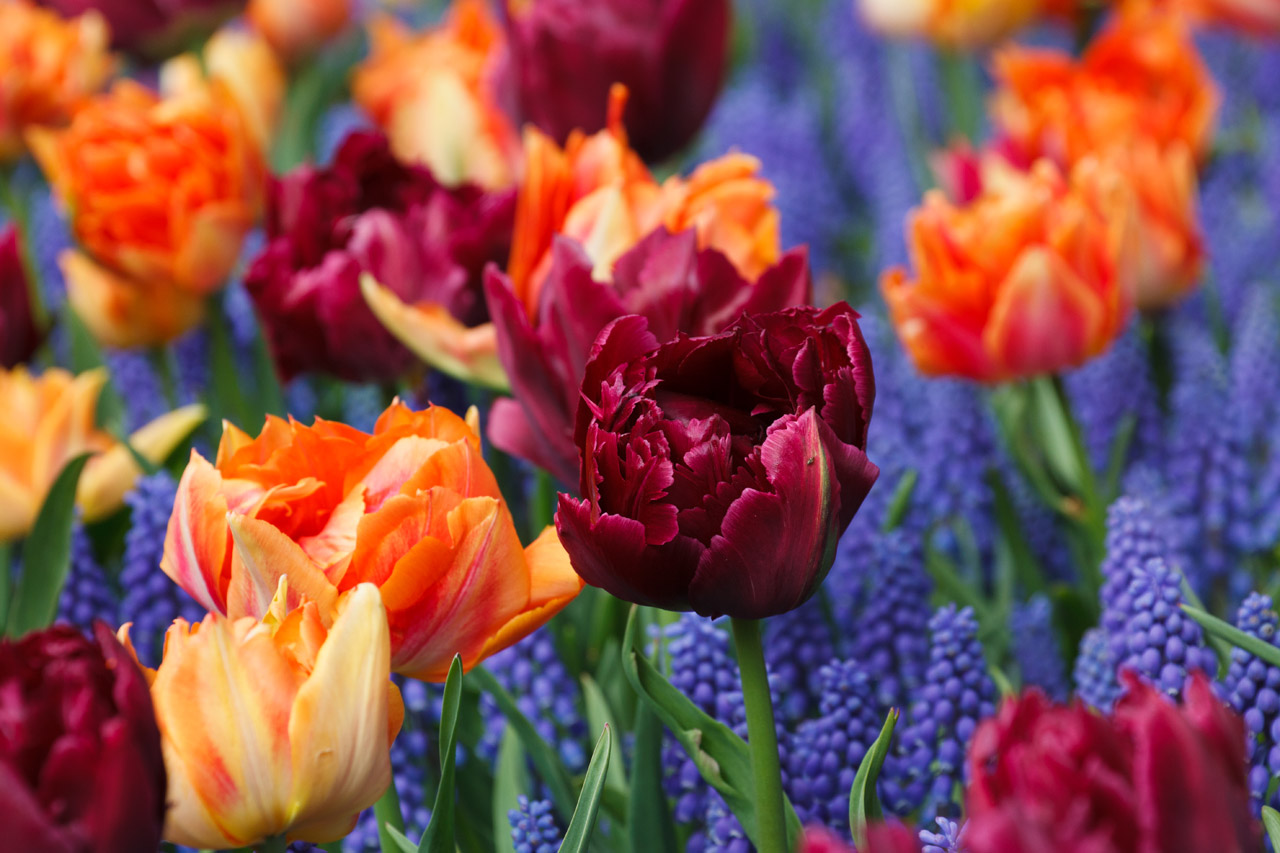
(19, 335)
(1154, 777)
(369, 213)
(665, 279)
(670, 54)
(154, 28)
(881, 838)
(719, 471)
(81, 769)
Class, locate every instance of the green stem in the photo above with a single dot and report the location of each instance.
(542, 503)
(762, 737)
(274, 844)
(963, 87)
(387, 812)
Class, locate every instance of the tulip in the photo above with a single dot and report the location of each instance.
(1035, 275)
(677, 288)
(412, 508)
(967, 25)
(1152, 777)
(49, 420)
(276, 727)
(1141, 77)
(719, 471)
(369, 214)
(670, 54)
(20, 335)
(80, 762)
(298, 28)
(881, 838)
(161, 193)
(439, 96)
(154, 28)
(48, 67)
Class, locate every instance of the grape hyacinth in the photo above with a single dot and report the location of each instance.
(1095, 671)
(533, 827)
(1253, 689)
(1112, 387)
(136, 381)
(544, 691)
(1161, 642)
(1036, 650)
(798, 645)
(1135, 534)
(948, 839)
(956, 694)
(88, 594)
(825, 752)
(151, 601)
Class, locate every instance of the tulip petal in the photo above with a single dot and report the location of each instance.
(109, 476)
(263, 555)
(552, 585)
(469, 354)
(338, 731)
(197, 545)
(773, 550)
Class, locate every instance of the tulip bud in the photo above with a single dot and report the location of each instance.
(19, 335)
(151, 29)
(670, 54)
(719, 471)
(80, 759)
(298, 28)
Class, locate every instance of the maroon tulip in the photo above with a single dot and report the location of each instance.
(81, 769)
(719, 471)
(881, 838)
(664, 278)
(1152, 778)
(369, 213)
(670, 54)
(19, 335)
(154, 28)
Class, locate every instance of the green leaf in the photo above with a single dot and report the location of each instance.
(650, 825)
(583, 823)
(1118, 455)
(720, 755)
(47, 555)
(387, 813)
(946, 577)
(544, 757)
(599, 715)
(901, 500)
(398, 841)
(1218, 628)
(439, 836)
(6, 581)
(510, 780)
(1271, 820)
(1056, 433)
(864, 805)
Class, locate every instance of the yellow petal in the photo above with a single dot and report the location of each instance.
(264, 557)
(432, 333)
(109, 476)
(341, 760)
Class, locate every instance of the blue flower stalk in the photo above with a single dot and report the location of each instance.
(533, 827)
(1253, 689)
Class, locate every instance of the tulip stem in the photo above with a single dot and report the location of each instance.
(387, 813)
(762, 738)
(274, 844)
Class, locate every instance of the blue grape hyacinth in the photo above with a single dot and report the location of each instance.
(1161, 642)
(88, 593)
(533, 827)
(1253, 689)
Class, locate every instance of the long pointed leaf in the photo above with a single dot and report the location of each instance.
(650, 825)
(1218, 628)
(720, 755)
(1271, 820)
(439, 837)
(510, 780)
(578, 835)
(864, 805)
(599, 715)
(46, 555)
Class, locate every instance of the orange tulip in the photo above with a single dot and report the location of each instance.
(49, 420)
(1033, 276)
(297, 28)
(160, 192)
(276, 727)
(959, 24)
(48, 67)
(1141, 77)
(436, 96)
(412, 508)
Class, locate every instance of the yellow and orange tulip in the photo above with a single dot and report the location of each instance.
(48, 67)
(436, 96)
(298, 28)
(275, 727)
(411, 508)
(957, 24)
(160, 193)
(49, 420)
(1034, 275)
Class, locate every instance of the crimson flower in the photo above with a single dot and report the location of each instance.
(19, 335)
(1154, 777)
(369, 213)
(154, 28)
(670, 54)
(80, 762)
(719, 471)
(665, 278)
